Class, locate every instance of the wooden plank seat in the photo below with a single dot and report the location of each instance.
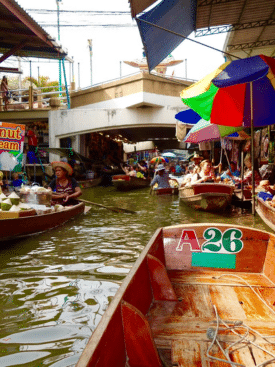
(182, 325)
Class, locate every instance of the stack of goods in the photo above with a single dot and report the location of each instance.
(30, 202)
(11, 207)
(36, 195)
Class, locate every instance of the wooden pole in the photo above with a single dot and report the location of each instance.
(112, 208)
(252, 149)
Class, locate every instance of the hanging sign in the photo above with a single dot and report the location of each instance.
(11, 146)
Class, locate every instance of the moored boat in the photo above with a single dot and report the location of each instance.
(266, 212)
(198, 295)
(207, 196)
(25, 223)
(126, 182)
(86, 184)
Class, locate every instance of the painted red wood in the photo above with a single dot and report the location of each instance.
(157, 250)
(212, 187)
(140, 346)
(20, 227)
(110, 349)
(161, 285)
(142, 296)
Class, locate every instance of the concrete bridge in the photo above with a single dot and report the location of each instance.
(137, 108)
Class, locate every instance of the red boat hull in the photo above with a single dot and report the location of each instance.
(24, 226)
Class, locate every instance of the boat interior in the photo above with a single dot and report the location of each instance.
(180, 307)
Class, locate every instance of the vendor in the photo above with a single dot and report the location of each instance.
(161, 178)
(231, 173)
(64, 187)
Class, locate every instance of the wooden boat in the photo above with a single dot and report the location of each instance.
(195, 289)
(166, 191)
(266, 212)
(86, 184)
(173, 190)
(29, 222)
(207, 196)
(126, 182)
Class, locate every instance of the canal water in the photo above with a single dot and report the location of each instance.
(56, 286)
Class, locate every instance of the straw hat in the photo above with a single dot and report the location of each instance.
(160, 167)
(196, 156)
(64, 165)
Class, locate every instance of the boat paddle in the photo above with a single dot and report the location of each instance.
(113, 208)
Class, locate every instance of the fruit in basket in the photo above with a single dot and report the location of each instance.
(6, 205)
(14, 198)
(2, 196)
(24, 206)
(14, 209)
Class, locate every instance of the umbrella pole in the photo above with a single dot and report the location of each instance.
(252, 149)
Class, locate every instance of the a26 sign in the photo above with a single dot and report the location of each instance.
(228, 242)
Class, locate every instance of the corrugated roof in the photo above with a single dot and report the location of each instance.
(252, 25)
(20, 35)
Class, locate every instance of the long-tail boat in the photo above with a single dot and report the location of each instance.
(172, 190)
(267, 212)
(126, 182)
(28, 222)
(198, 295)
(207, 196)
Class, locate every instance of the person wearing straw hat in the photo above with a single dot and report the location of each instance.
(161, 177)
(197, 159)
(64, 187)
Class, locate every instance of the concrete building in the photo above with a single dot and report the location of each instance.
(133, 109)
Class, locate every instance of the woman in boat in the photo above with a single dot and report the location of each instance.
(161, 177)
(130, 170)
(206, 173)
(248, 174)
(64, 187)
(231, 172)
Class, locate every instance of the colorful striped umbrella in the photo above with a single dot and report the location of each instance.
(204, 131)
(237, 93)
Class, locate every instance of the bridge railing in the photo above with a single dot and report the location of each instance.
(34, 98)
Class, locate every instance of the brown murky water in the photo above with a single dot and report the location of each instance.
(56, 286)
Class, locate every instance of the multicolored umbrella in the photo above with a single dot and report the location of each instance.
(237, 93)
(204, 131)
(158, 160)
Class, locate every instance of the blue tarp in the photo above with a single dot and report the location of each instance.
(178, 16)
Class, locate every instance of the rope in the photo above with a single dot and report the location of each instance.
(213, 334)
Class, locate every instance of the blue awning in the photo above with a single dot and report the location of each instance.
(177, 16)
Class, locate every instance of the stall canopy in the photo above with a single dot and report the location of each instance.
(250, 25)
(20, 35)
(176, 15)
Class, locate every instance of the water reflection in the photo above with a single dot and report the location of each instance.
(56, 286)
